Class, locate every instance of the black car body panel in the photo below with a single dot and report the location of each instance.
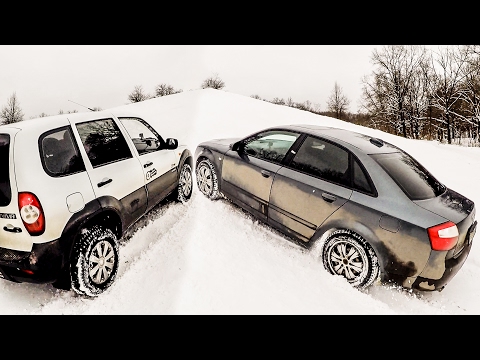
(359, 194)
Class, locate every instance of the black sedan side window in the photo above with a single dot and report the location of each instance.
(360, 181)
(323, 159)
(270, 145)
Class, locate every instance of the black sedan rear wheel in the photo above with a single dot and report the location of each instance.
(347, 254)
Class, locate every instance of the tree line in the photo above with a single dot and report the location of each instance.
(421, 94)
(12, 111)
(412, 92)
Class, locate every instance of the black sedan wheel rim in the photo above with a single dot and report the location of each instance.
(347, 260)
(205, 180)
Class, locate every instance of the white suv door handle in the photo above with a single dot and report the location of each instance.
(148, 164)
(104, 182)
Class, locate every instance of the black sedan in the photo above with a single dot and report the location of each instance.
(375, 211)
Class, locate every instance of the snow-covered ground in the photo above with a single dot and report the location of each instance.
(209, 257)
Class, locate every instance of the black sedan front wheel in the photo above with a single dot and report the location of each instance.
(207, 180)
(346, 254)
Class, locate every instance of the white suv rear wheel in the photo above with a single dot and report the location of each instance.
(95, 261)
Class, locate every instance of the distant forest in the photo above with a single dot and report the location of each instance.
(415, 93)
(412, 92)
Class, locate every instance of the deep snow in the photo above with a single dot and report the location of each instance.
(210, 257)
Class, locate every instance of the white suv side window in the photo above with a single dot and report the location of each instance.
(60, 155)
(143, 136)
(103, 142)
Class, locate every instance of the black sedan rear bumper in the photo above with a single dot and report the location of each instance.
(452, 266)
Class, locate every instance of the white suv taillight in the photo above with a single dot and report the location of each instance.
(443, 236)
(31, 213)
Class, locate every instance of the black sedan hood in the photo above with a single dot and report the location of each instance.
(221, 145)
(450, 205)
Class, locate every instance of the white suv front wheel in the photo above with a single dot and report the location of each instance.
(185, 184)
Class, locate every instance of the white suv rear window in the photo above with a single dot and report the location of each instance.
(60, 155)
(5, 191)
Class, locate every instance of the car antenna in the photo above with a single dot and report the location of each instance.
(377, 142)
(81, 105)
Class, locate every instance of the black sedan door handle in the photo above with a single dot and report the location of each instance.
(148, 164)
(265, 173)
(104, 182)
(328, 197)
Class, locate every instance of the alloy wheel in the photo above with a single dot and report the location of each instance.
(347, 260)
(101, 262)
(205, 180)
(186, 182)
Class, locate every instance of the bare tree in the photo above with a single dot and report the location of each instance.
(165, 89)
(39, 116)
(470, 92)
(337, 102)
(447, 89)
(278, 101)
(317, 108)
(138, 95)
(213, 82)
(386, 96)
(11, 113)
(419, 100)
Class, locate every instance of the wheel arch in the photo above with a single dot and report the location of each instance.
(205, 153)
(186, 157)
(361, 230)
(103, 211)
(214, 157)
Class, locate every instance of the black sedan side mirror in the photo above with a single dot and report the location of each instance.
(237, 146)
(171, 143)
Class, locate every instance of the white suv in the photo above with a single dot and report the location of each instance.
(72, 184)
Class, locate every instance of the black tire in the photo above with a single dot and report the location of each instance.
(347, 254)
(185, 184)
(207, 180)
(95, 261)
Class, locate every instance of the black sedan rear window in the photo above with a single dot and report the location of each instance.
(5, 191)
(412, 177)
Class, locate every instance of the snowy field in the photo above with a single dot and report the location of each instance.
(209, 257)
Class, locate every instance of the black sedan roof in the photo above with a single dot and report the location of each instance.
(347, 138)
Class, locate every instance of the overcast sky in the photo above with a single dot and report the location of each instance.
(50, 78)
